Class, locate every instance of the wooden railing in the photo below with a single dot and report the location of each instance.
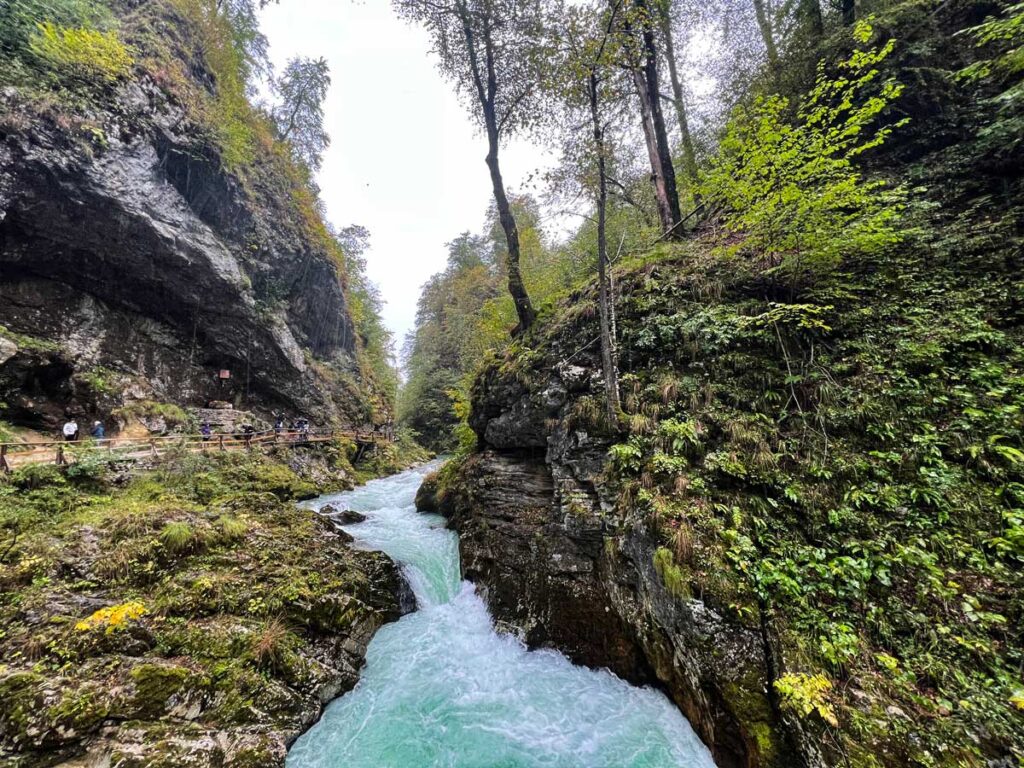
(132, 448)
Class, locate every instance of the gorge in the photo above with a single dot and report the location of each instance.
(728, 386)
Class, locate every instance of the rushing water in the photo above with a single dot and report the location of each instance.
(442, 688)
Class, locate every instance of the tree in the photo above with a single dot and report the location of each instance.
(793, 194)
(764, 23)
(245, 26)
(488, 47)
(443, 350)
(584, 68)
(810, 17)
(642, 60)
(299, 116)
(678, 101)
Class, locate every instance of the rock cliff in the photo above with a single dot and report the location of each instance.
(760, 532)
(195, 616)
(136, 262)
(539, 537)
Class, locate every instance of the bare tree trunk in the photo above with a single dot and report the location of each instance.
(657, 177)
(611, 374)
(516, 287)
(486, 92)
(652, 93)
(849, 10)
(765, 24)
(810, 15)
(689, 156)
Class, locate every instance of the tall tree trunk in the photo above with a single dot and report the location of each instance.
(486, 92)
(657, 176)
(765, 24)
(849, 10)
(810, 15)
(689, 156)
(611, 374)
(516, 287)
(652, 94)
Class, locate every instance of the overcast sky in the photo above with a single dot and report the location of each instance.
(405, 161)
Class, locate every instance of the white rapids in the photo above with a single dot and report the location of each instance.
(442, 688)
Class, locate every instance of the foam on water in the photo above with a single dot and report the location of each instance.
(442, 688)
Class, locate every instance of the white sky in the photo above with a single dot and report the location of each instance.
(405, 160)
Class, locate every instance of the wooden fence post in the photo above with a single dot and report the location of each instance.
(59, 460)
(4, 466)
(222, 442)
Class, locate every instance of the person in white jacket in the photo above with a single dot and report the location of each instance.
(70, 430)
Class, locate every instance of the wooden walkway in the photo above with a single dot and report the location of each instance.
(14, 455)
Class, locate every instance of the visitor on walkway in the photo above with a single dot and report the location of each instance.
(98, 431)
(70, 430)
(205, 431)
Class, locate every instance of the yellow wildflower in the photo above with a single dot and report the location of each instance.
(112, 617)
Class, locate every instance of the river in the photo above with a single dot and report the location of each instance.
(442, 688)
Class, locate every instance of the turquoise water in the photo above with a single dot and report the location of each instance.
(442, 688)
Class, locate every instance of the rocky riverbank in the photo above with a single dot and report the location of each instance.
(189, 614)
(798, 526)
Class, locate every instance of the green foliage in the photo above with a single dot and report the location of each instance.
(805, 694)
(793, 195)
(77, 53)
(197, 560)
(299, 116)
(174, 415)
(464, 316)
(1001, 68)
(365, 305)
(852, 468)
(224, 48)
(178, 537)
(1004, 34)
(20, 21)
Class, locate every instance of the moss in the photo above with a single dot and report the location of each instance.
(173, 415)
(29, 342)
(155, 684)
(671, 575)
(243, 558)
(748, 703)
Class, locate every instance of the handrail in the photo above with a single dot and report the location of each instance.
(39, 450)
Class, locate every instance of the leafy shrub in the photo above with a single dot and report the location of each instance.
(178, 537)
(82, 54)
(33, 476)
(805, 694)
(19, 19)
(791, 189)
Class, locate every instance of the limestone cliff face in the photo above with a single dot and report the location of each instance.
(556, 566)
(129, 248)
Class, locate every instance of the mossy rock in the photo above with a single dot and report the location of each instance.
(427, 494)
(49, 713)
(156, 685)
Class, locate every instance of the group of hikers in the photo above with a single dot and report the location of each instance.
(70, 430)
(299, 427)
